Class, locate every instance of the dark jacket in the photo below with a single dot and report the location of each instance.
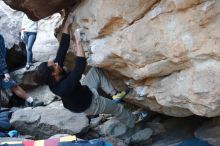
(3, 65)
(75, 97)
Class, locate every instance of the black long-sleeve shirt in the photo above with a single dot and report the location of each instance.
(75, 97)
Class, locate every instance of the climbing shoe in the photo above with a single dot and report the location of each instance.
(34, 103)
(141, 116)
(27, 66)
(118, 96)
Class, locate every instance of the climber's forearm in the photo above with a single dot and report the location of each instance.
(66, 28)
(79, 52)
(68, 23)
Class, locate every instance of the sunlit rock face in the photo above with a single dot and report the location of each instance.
(170, 47)
(168, 51)
(38, 9)
(10, 24)
(46, 44)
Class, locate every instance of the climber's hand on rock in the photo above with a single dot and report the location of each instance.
(77, 35)
(70, 19)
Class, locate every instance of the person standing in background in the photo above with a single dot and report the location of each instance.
(28, 35)
(7, 83)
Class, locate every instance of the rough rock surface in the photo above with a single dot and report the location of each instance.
(169, 46)
(177, 130)
(24, 77)
(39, 9)
(113, 127)
(46, 44)
(44, 122)
(142, 135)
(45, 95)
(10, 24)
(210, 132)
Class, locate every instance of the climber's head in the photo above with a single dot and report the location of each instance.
(48, 73)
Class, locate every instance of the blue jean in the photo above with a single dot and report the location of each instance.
(29, 39)
(7, 84)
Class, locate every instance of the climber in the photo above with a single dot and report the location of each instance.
(7, 83)
(76, 96)
(28, 35)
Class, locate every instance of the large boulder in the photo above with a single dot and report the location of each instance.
(46, 44)
(42, 93)
(177, 130)
(10, 24)
(43, 122)
(210, 132)
(39, 9)
(169, 46)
